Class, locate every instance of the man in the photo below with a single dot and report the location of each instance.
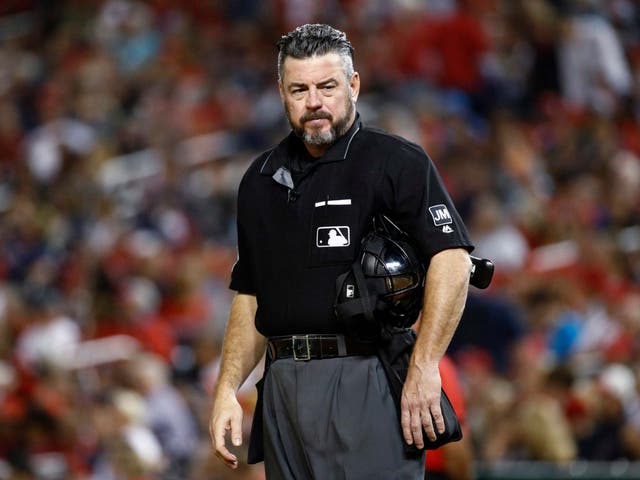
(325, 407)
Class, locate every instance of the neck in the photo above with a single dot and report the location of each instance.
(317, 151)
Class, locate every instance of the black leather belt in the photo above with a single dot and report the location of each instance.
(310, 347)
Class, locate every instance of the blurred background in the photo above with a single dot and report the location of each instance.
(126, 125)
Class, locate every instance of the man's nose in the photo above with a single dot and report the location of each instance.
(313, 99)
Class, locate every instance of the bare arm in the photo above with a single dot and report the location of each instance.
(445, 295)
(242, 349)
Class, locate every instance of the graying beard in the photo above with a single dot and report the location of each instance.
(319, 139)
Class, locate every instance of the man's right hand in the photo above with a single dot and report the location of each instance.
(226, 416)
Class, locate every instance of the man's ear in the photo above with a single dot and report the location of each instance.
(281, 90)
(354, 85)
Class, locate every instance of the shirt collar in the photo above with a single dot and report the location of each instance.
(338, 151)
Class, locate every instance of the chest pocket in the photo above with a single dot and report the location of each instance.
(333, 233)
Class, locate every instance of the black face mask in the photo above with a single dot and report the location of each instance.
(383, 291)
(384, 288)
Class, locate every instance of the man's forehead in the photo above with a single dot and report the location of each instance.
(314, 68)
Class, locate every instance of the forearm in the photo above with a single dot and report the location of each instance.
(243, 345)
(445, 296)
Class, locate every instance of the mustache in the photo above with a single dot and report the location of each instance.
(307, 117)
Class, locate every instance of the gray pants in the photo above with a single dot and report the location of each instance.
(333, 419)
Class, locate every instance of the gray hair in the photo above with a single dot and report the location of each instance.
(312, 40)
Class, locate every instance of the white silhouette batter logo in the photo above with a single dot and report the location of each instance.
(334, 236)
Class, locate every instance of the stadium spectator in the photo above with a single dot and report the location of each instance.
(125, 127)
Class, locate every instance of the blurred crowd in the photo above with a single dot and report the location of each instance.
(125, 126)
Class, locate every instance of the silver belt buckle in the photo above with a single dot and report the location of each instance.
(300, 346)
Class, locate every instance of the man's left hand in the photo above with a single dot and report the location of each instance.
(420, 404)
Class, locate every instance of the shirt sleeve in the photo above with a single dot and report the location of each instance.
(242, 279)
(419, 203)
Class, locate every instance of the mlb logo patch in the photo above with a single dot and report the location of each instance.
(440, 215)
(333, 236)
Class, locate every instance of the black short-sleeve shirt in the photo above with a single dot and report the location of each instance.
(294, 240)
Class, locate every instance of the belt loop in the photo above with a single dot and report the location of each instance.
(342, 345)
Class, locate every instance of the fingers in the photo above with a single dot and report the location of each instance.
(438, 419)
(405, 422)
(411, 420)
(218, 430)
(236, 430)
(223, 453)
(416, 426)
(221, 424)
(417, 415)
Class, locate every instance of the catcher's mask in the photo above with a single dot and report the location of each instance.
(384, 288)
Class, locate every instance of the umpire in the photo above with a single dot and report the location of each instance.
(324, 409)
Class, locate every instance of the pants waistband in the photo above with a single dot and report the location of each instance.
(311, 347)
